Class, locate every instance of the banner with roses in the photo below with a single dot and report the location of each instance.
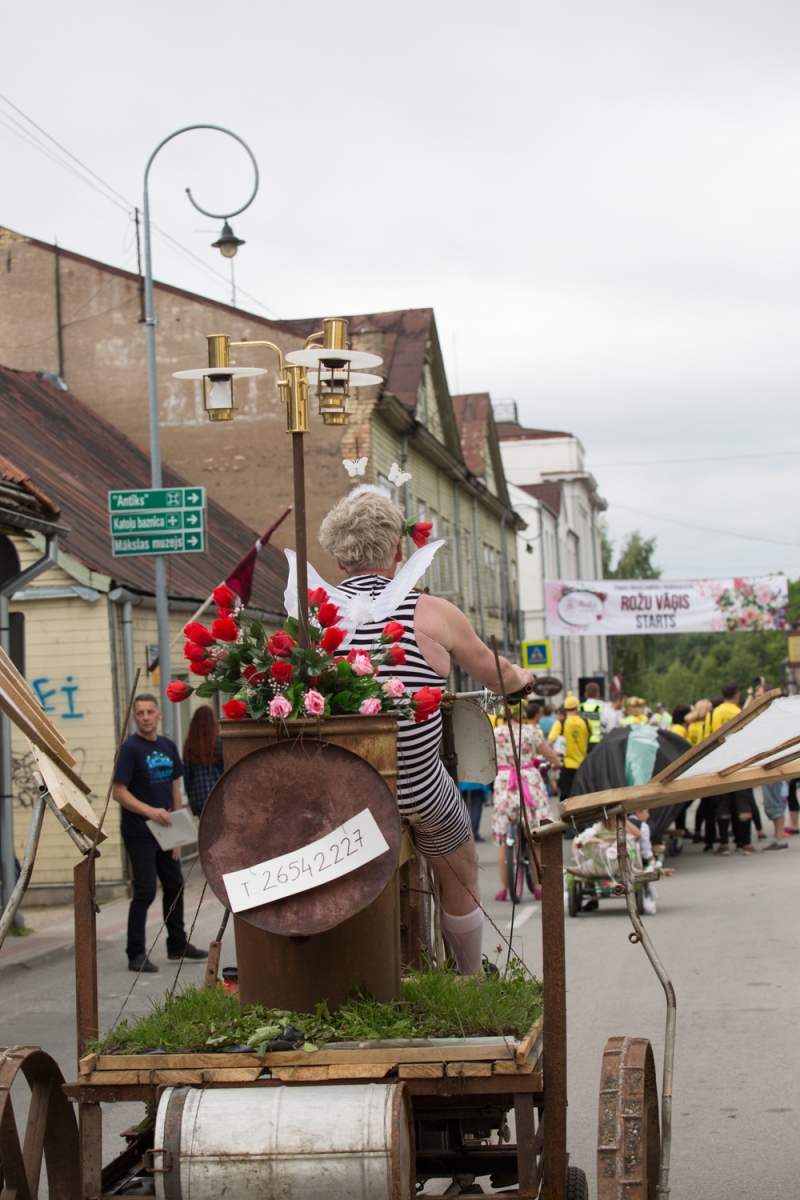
(270, 675)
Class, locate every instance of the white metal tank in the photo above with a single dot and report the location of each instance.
(342, 1141)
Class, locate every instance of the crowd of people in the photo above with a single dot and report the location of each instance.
(555, 742)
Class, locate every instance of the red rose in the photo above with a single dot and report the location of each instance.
(393, 632)
(317, 597)
(332, 639)
(421, 533)
(426, 702)
(224, 630)
(253, 676)
(198, 633)
(281, 672)
(395, 655)
(328, 614)
(194, 652)
(280, 644)
(202, 668)
(235, 709)
(224, 597)
(177, 691)
(225, 612)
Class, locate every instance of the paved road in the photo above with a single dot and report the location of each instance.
(727, 931)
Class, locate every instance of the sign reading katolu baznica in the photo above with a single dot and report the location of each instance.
(623, 606)
(157, 521)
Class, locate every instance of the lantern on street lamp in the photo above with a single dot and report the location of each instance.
(227, 243)
(334, 368)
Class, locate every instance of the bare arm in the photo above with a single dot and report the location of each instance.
(177, 798)
(446, 625)
(129, 801)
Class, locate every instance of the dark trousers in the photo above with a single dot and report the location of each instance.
(735, 807)
(707, 815)
(792, 801)
(565, 781)
(474, 802)
(150, 864)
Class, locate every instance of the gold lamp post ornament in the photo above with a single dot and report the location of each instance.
(335, 369)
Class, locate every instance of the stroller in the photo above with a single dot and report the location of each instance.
(594, 875)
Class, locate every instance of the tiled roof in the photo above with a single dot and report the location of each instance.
(76, 457)
(508, 431)
(549, 493)
(22, 504)
(472, 415)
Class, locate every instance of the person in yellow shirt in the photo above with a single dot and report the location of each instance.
(634, 712)
(736, 807)
(679, 713)
(576, 739)
(698, 721)
(556, 729)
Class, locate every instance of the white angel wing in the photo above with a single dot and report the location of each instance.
(384, 605)
(315, 580)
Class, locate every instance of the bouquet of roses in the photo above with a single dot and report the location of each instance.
(270, 675)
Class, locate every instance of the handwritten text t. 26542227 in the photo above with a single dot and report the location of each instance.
(354, 843)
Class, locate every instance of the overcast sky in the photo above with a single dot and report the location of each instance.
(598, 198)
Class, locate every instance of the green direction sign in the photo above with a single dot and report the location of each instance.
(182, 542)
(158, 522)
(143, 500)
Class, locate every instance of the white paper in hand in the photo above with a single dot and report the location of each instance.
(182, 831)
(354, 843)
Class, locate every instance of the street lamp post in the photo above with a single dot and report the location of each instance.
(162, 602)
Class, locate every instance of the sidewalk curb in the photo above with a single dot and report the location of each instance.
(46, 955)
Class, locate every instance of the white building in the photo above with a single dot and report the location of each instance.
(551, 490)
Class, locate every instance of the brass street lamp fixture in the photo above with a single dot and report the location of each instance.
(335, 369)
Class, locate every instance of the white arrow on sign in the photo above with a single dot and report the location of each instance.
(193, 498)
(192, 519)
(192, 541)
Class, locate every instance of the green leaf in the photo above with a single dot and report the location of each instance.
(206, 688)
(291, 627)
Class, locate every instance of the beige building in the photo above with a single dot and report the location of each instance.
(82, 628)
(82, 321)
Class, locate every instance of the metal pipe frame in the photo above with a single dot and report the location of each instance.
(628, 883)
(162, 603)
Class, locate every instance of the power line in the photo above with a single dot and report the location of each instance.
(671, 462)
(750, 537)
(110, 193)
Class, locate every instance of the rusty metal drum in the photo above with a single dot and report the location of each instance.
(281, 1143)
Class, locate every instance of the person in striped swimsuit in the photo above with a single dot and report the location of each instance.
(364, 533)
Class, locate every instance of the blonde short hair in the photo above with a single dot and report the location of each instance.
(363, 529)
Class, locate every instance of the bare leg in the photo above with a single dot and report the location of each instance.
(779, 823)
(457, 876)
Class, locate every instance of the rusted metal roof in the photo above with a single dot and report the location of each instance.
(76, 457)
(508, 431)
(472, 415)
(549, 493)
(22, 505)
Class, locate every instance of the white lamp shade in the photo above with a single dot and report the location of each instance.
(212, 372)
(317, 354)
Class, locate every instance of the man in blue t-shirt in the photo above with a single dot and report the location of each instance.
(146, 786)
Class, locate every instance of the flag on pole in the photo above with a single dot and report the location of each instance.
(240, 579)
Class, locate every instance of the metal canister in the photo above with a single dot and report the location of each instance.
(351, 1141)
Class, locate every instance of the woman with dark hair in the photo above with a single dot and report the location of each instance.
(202, 757)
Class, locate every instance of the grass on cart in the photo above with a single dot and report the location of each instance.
(433, 1004)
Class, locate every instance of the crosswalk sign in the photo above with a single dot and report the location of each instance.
(536, 655)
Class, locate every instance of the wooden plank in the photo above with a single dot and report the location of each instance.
(655, 794)
(231, 1075)
(512, 1068)
(525, 1048)
(317, 1058)
(177, 1077)
(87, 1064)
(463, 1070)
(360, 1070)
(309, 1074)
(693, 755)
(69, 799)
(115, 1078)
(422, 1070)
(30, 708)
(762, 754)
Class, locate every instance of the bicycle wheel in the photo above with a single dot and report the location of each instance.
(515, 869)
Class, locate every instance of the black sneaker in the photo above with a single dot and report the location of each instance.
(190, 952)
(142, 963)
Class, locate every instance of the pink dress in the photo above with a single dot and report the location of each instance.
(506, 790)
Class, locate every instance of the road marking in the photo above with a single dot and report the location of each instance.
(523, 917)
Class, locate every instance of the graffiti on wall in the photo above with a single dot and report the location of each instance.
(24, 787)
(60, 700)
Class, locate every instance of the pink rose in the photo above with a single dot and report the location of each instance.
(279, 707)
(370, 707)
(314, 703)
(394, 688)
(361, 664)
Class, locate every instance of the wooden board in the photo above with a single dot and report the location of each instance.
(465, 1070)
(512, 1068)
(421, 1070)
(315, 1058)
(525, 1048)
(72, 802)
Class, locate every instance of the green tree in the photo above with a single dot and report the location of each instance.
(633, 654)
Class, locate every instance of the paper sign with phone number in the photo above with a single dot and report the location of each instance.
(354, 843)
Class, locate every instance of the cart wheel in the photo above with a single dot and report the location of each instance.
(629, 1138)
(51, 1132)
(640, 899)
(574, 899)
(577, 1186)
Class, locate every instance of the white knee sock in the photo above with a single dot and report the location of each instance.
(465, 935)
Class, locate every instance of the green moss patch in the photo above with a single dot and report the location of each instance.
(433, 1004)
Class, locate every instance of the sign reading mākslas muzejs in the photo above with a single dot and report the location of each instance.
(157, 521)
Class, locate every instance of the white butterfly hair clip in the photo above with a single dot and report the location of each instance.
(355, 468)
(398, 477)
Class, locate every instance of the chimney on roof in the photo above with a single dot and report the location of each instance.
(505, 411)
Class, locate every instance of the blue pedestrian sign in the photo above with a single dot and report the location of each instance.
(536, 655)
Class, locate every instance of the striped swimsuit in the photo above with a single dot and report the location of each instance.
(423, 787)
